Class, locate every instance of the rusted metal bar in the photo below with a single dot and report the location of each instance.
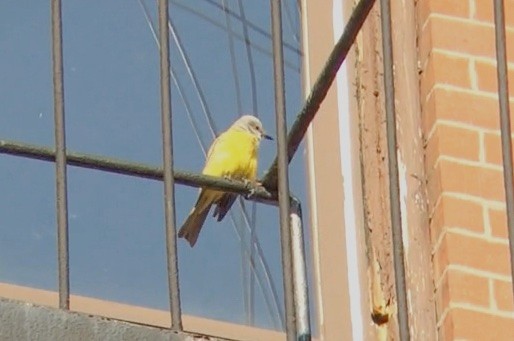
(394, 185)
(60, 158)
(169, 182)
(283, 177)
(503, 95)
(259, 194)
(320, 88)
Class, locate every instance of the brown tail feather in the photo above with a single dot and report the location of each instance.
(193, 225)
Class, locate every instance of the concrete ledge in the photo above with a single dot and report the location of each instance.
(21, 321)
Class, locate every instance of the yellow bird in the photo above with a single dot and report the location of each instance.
(232, 155)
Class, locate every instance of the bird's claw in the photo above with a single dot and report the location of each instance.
(250, 194)
(253, 189)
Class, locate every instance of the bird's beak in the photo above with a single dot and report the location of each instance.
(267, 137)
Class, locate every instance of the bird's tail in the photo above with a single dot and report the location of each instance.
(194, 222)
(192, 226)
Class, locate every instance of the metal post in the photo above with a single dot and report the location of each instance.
(301, 295)
(60, 158)
(283, 181)
(320, 88)
(503, 93)
(394, 186)
(169, 183)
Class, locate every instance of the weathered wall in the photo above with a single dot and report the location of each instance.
(21, 321)
(463, 164)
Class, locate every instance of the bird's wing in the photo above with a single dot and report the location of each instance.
(223, 205)
(219, 156)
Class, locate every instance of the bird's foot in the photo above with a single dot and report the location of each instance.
(254, 186)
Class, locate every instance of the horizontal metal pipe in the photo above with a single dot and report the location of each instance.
(258, 193)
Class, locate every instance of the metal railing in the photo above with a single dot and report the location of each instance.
(275, 191)
(276, 188)
(506, 137)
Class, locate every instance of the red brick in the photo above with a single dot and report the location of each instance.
(471, 325)
(498, 221)
(462, 107)
(493, 150)
(461, 287)
(445, 69)
(469, 179)
(472, 252)
(484, 11)
(503, 295)
(452, 141)
(470, 38)
(457, 8)
(473, 220)
(448, 213)
(487, 77)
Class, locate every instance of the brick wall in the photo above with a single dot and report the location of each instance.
(463, 162)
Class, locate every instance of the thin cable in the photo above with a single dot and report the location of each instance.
(255, 27)
(194, 79)
(235, 74)
(239, 37)
(245, 275)
(253, 82)
(256, 242)
(177, 83)
(289, 20)
(253, 86)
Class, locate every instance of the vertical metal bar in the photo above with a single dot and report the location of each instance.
(169, 183)
(60, 158)
(503, 93)
(301, 298)
(394, 186)
(283, 181)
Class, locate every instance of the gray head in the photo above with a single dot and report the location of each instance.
(252, 125)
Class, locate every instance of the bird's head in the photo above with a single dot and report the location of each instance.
(253, 125)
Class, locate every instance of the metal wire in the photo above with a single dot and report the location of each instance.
(256, 28)
(169, 183)
(60, 158)
(503, 95)
(283, 178)
(285, 151)
(255, 245)
(249, 56)
(194, 79)
(254, 45)
(253, 225)
(246, 275)
(394, 186)
(320, 88)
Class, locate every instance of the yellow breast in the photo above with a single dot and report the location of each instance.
(233, 154)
